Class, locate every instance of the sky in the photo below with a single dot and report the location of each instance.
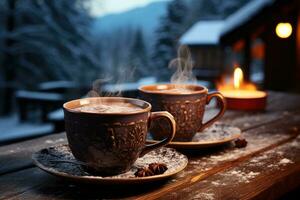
(104, 7)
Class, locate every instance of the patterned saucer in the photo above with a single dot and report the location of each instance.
(59, 161)
(217, 134)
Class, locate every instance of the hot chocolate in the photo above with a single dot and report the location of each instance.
(186, 102)
(108, 134)
(119, 107)
(178, 90)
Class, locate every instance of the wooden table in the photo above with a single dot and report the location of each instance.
(268, 167)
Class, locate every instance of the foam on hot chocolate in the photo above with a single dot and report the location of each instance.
(120, 107)
(178, 90)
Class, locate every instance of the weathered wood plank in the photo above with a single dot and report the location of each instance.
(266, 176)
(18, 156)
(35, 184)
(202, 165)
(279, 101)
(18, 182)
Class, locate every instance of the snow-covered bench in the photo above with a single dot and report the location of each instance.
(69, 89)
(44, 101)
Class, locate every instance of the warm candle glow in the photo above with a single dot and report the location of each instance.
(237, 78)
(284, 30)
(235, 83)
(238, 88)
(241, 94)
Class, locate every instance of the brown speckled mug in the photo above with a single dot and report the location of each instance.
(110, 143)
(187, 107)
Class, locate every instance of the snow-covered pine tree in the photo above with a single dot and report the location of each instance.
(138, 56)
(52, 42)
(171, 27)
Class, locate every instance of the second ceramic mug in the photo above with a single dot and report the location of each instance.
(110, 143)
(187, 108)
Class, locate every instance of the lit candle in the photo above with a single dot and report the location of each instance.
(241, 95)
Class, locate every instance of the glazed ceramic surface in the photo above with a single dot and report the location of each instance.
(109, 143)
(188, 109)
(59, 161)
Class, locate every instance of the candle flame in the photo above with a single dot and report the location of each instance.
(236, 82)
(238, 78)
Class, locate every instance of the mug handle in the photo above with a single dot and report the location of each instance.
(165, 141)
(222, 102)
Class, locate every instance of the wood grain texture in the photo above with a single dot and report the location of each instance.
(268, 175)
(18, 182)
(18, 156)
(206, 164)
(202, 166)
(206, 176)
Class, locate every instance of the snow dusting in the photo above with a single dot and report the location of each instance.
(285, 161)
(242, 177)
(54, 141)
(204, 196)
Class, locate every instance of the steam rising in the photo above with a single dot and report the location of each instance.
(184, 67)
(96, 90)
(125, 74)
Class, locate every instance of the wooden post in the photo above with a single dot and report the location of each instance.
(247, 58)
(297, 31)
(9, 67)
(280, 57)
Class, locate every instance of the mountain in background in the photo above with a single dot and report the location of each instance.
(146, 18)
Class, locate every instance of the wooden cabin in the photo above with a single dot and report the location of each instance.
(266, 32)
(203, 41)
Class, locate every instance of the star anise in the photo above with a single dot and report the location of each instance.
(158, 168)
(240, 143)
(143, 172)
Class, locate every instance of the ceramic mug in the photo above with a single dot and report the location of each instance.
(110, 143)
(187, 107)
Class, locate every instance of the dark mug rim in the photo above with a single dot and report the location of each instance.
(134, 101)
(199, 89)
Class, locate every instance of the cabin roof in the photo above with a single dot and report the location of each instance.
(244, 14)
(239, 24)
(203, 33)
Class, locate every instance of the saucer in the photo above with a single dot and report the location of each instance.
(57, 160)
(215, 135)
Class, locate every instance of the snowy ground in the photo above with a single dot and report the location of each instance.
(12, 129)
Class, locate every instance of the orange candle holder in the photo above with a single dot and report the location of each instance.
(242, 95)
(247, 100)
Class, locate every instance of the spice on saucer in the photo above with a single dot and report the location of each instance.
(158, 168)
(143, 172)
(151, 170)
(240, 143)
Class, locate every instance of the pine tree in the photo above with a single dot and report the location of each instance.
(52, 42)
(167, 35)
(138, 57)
(8, 61)
(46, 40)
